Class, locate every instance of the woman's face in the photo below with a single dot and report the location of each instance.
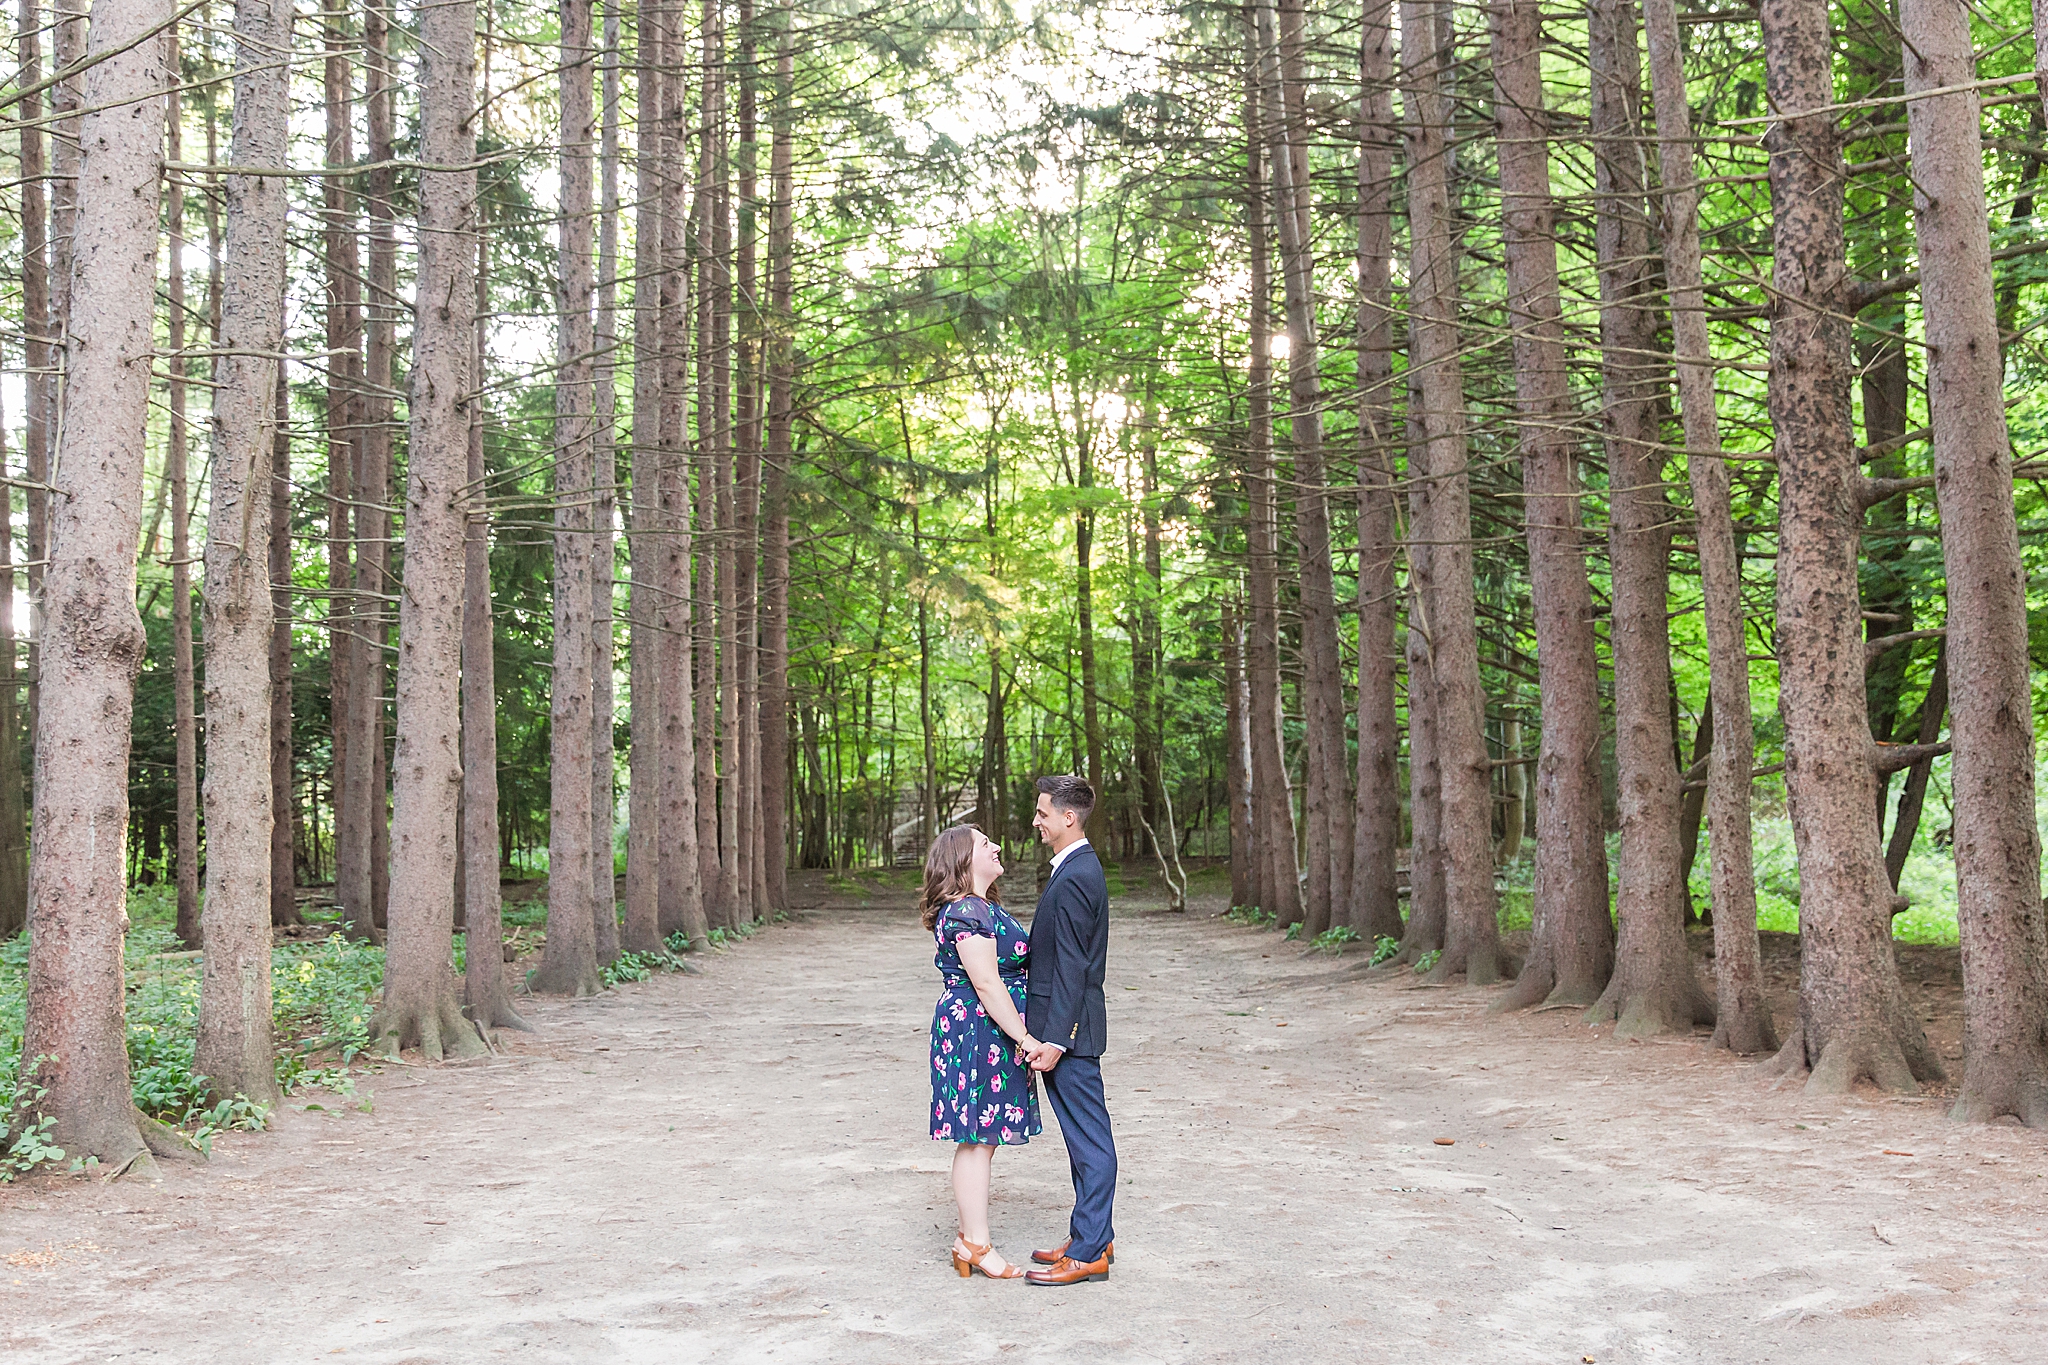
(988, 859)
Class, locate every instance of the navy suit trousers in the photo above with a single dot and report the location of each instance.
(1075, 1087)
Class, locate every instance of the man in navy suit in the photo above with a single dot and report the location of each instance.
(1064, 1006)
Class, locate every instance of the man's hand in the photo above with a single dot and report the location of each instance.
(1046, 1056)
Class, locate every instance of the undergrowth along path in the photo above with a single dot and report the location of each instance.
(730, 1167)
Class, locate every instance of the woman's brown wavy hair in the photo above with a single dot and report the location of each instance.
(949, 872)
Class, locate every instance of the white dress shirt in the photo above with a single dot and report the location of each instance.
(1061, 856)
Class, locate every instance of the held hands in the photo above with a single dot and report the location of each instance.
(1044, 1057)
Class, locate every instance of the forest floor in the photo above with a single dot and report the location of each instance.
(730, 1166)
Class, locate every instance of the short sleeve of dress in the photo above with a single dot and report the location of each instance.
(968, 917)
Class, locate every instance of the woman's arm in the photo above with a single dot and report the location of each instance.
(978, 956)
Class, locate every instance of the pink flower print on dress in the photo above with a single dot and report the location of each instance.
(945, 1026)
(1008, 1135)
(988, 1116)
(995, 1055)
(1021, 949)
(995, 1082)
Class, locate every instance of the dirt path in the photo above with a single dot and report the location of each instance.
(730, 1167)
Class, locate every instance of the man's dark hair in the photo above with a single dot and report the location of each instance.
(1069, 793)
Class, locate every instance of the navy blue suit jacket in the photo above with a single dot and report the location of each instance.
(1069, 957)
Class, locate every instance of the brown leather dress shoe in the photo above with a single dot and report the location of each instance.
(1067, 1270)
(1052, 1257)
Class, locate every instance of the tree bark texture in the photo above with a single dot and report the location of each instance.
(1277, 874)
(1571, 942)
(421, 1005)
(1855, 1021)
(1742, 1018)
(641, 932)
(184, 704)
(780, 344)
(74, 1042)
(604, 507)
(234, 1050)
(1375, 908)
(569, 960)
(1654, 988)
(1471, 924)
(1997, 843)
(484, 993)
(284, 906)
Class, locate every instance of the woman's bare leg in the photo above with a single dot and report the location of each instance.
(972, 1165)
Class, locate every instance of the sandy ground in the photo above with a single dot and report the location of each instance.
(731, 1166)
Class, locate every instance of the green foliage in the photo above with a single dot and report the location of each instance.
(1332, 940)
(640, 966)
(1427, 962)
(1251, 915)
(1383, 949)
(23, 1151)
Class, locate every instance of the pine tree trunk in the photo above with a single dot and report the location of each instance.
(1997, 842)
(688, 886)
(774, 712)
(1471, 924)
(1237, 763)
(1276, 873)
(569, 960)
(344, 408)
(1742, 1018)
(234, 1050)
(1427, 910)
(13, 820)
(484, 993)
(746, 715)
(1654, 988)
(1855, 1021)
(421, 1006)
(36, 385)
(720, 912)
(645, 609)
(604, 506)
(1571, 940)
(1326, 796)
(184, 707)
(1375, 909)
(284, 906)
(74, 1042)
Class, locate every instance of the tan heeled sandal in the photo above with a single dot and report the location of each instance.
(965, 1266)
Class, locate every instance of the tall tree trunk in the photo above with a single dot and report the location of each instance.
(1855, 1021)
(234, 1050)
(74, 1036)
(720, 912)
(746, 715)
(604, 506)
(688, 884)
(184, 707)
(1277, 875)
(569, 961)
(484, 993)
(1742, 1019)
(780, 343)
(646, 609)
(38, 390)
(1327, 803)
(1654, 988)
(421, 1006)
(13, 820)
(284, 906)
(1237, 766)
(1471, 925)
(1571, 940)
(1375, 908)
(373, 580)
(1997, 842)
(344, 435)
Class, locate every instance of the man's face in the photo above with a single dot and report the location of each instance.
(1050, 823)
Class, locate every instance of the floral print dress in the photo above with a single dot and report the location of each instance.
(980, 1091)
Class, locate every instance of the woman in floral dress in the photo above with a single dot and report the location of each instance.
(983, 1094)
